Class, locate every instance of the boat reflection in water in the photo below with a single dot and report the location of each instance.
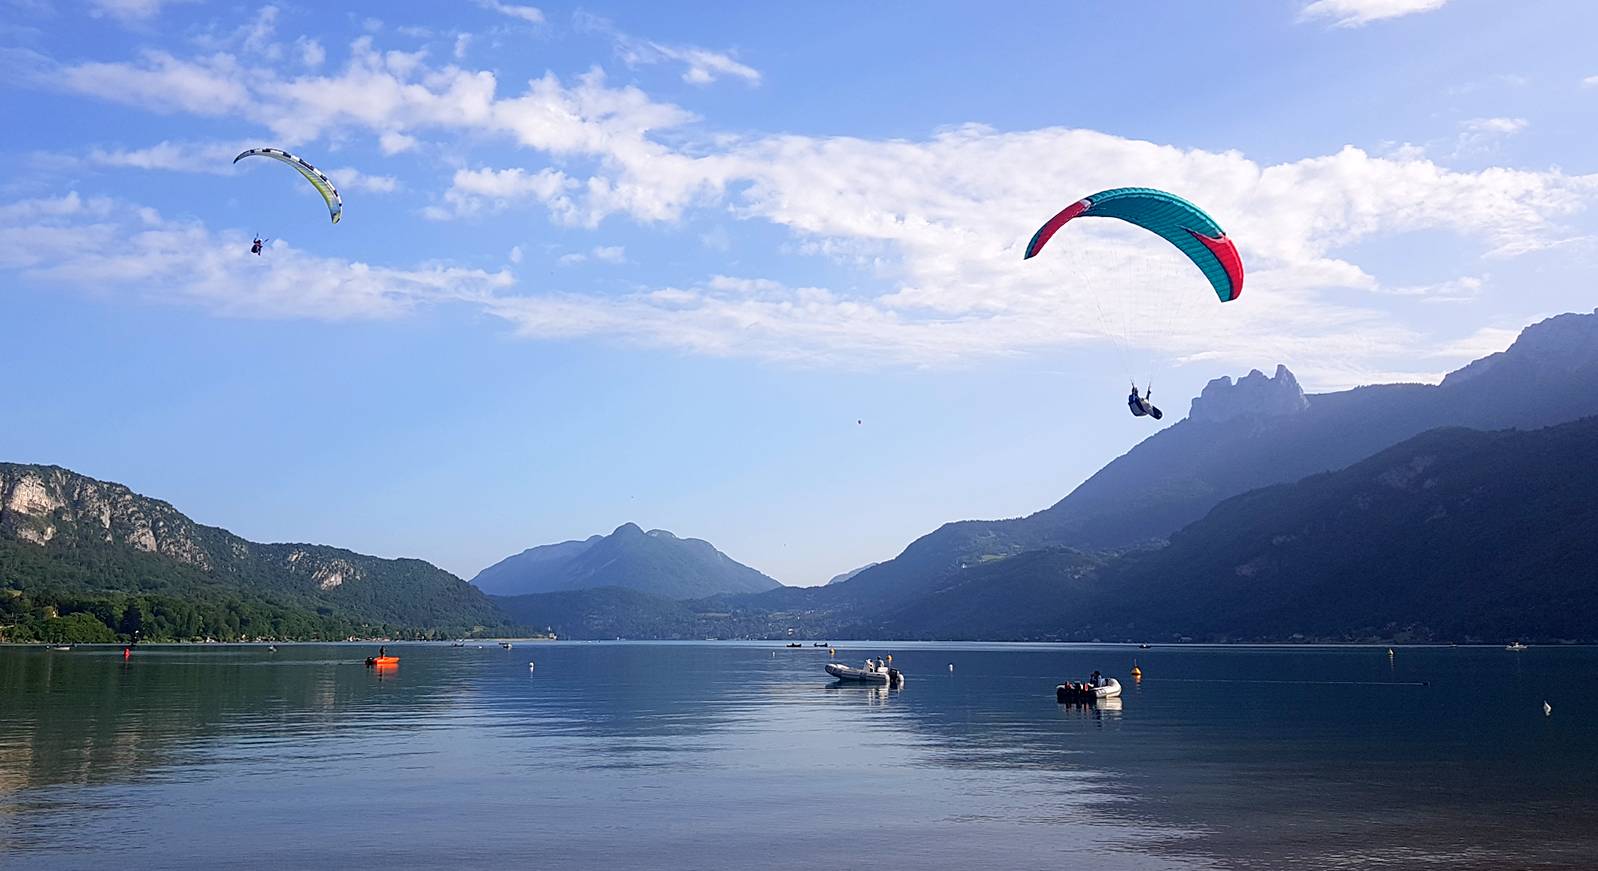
(1094, 709)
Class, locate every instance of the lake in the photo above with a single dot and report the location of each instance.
(744, 756)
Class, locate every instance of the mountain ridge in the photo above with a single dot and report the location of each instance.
(654, 562)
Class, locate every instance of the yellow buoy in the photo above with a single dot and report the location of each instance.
(1137, 673)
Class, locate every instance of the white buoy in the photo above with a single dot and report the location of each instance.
(529, 665)
(1547, 709)
(951, 666)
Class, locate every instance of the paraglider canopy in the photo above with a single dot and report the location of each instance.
(335, 203)
(1166, 215)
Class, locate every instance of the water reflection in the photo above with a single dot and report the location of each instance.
(720, 756)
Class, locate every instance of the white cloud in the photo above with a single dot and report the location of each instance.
(348, 179)
(1480, 137)
(475, 191)
(463, 41)
(515, 255)
(1495, 125)
(701, 66)
(601, 253)
(1590, 82)
(311, 52)
(131, 10)
(1462, 289)
(392, 143)
(932, 226)
(215, 158)
(529, 14)
(116, 248)
(1355, 13)
(162, 83)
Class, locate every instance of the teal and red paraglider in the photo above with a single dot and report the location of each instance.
(1168, 216)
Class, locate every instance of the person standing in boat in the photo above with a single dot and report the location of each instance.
(1096, 680)
(382, 652)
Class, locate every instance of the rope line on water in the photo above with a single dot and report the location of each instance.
(1350, 683)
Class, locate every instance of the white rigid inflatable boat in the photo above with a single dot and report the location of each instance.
(880, 674)
(1109, 689)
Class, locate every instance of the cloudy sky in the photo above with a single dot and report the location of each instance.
(751, 274)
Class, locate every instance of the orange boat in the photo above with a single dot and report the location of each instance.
(382, 660)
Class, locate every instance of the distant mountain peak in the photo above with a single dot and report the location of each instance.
(838, 579)
(655, 562)
(1557, 345)
(1253, 395)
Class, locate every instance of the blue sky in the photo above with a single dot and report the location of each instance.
(750, 273)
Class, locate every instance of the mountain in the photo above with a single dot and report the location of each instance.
(1454, 534)
(838, 579)
(534, 569)
(1258, 431)
(73, 543)
(655, 562)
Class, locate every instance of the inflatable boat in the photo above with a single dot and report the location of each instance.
(1110, 689)
(880, 675)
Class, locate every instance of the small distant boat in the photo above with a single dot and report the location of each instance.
(1143, 647)
(381, 661)
(1517, 646)
(61, 647)
(822, 644)
(878, 675)
(1066, 692)
(505, 644)
(457, 644)
(795, 645)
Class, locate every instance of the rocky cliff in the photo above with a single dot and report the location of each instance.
(65, 532)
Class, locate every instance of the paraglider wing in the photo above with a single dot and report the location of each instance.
(335, 203)
(1168, 216)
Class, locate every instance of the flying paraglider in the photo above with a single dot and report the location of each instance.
(255, 247)
(1141, 406)
(1173, 219)
(324, 186)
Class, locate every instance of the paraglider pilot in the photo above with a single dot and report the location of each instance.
(1140, 405)
(255, 248)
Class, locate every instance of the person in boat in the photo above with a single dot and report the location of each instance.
(1140, 406)
(382, 652)
(1095, 680)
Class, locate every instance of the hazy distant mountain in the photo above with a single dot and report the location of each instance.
(70, 542)
(1453, 534)
(838, 579)
(1256, 432)
(654, 562)
(535, 569)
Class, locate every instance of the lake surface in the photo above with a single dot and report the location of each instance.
(746, 756)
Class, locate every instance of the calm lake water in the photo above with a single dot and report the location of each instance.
(746, 756)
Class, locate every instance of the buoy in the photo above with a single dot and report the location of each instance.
(890, 657)
(1137, 673)
(529, 665)
(1389, 651)
(951, 666)
(1547, 709)
(127, 652)
(832, 651)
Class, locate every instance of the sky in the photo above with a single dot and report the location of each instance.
(748, 272)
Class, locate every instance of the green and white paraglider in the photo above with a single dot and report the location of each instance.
(318, 180)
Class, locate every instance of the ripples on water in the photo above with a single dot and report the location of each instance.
(726, 756)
